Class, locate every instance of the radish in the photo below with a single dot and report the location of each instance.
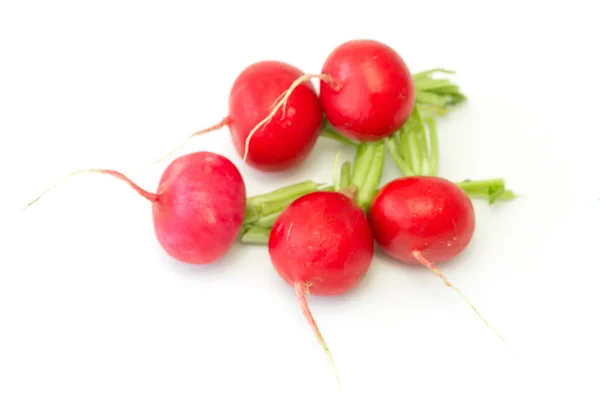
(424, 220)
(373, 94)
(321, 244)
(198, 208)
(286, 141)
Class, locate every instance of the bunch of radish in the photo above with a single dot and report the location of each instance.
(321, 237)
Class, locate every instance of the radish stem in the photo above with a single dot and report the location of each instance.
(362, 163)
(262, 210)
(285, 192)
(330, 132)
(255, 235)
(336, 171)
(368, 189)
(434, 151)
(491, 189)
(403, 167)
(345, 174)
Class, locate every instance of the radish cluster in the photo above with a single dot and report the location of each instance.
(321, 238)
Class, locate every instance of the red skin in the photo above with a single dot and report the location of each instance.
(281, 144)
(377, 92)
(199, 207)
(430, 215)
(324, 240)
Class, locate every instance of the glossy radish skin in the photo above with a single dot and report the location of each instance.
(377, 92)
(199, 207)
(289, 137)
(322, 240)
(428, 215)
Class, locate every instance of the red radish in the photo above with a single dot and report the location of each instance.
(321, 244)
(198, 208)
(424, 220)
(367, 91)
(377, 94)
(422, 216)
(286, 141)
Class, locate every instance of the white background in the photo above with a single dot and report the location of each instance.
(95, 318)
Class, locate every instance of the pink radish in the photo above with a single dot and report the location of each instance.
(321, 244)
(367, 92)
(198, 208)
(286, 141)
(424, 220)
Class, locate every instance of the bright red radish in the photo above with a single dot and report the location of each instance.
(321, 244)
(424, 220)
(288, 139)
(430, 216)
(377, 91)
(198, 208)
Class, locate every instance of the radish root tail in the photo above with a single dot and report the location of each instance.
(281, 101)
(215, 127)
(417, 255)
(301, 293)
(147, 195)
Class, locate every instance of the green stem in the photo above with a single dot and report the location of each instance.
(397, 158)
(415, 147)
(414, 152)
(432, 111)
(336, 171)
(330, 132)
(259, 206)
(428, 84)
(285, 192)
(362, 163)
(255, 235)
(434, 150)
(251, 214)
(430, 98)
(403, 146)
(436, 95)
(267, 221)
(366, 172)
(278, 205)
(368, 189)
(428, 73)
(421, 134)
(480, 185)
(491, 189)
(345, 174)
(506, 195)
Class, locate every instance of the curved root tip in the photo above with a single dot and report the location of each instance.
(417, 255)
(301, 292)
(280, 103)
(120, 176)
(56, 184)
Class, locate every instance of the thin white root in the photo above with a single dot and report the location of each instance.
(120, 176)
(215, 127)
(417, 255)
